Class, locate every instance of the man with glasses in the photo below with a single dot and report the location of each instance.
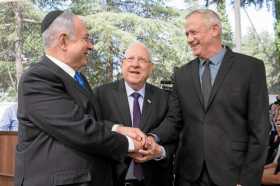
(136, 103)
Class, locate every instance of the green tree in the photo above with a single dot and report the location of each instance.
(261, 46)
(18, 20)
(115, 31)
(227, 31)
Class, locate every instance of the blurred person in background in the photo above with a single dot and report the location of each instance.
(9, 121)
(271, 173)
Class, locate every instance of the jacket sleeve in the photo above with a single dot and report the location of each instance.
(51, 109)
(169, 129)
(258, 127)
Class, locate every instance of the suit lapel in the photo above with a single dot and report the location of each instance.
(196, 80)
(122, 102)
(222, 73)
(72, 85)
(147, 107)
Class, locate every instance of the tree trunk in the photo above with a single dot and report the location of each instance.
(109, 69)
(277, 28)
(17, 9)
(237, 25)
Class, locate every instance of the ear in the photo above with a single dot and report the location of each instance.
(152, 66)
(63, 41)
(216, 30)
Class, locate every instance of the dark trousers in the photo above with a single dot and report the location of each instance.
(203, 180)
(134, 183)
(80, 184)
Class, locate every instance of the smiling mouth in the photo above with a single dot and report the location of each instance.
(134, 72)
(194, 45)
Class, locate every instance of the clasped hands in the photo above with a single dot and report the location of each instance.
(145, 146)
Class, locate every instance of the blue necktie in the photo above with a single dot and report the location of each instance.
(79, 79)
(137, 170)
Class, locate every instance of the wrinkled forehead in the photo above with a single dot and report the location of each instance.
(195, 21)
(137, 51)
(80, 26)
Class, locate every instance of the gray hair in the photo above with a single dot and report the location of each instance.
(210, 16)
(63, 23)
(138, 43)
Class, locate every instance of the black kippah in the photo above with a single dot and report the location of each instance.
(49, 18)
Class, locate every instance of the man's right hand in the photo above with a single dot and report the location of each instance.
(137, 146)
(139, 138)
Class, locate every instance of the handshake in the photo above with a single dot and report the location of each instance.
(145, 146)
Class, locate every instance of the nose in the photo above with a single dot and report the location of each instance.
(189, 38)
(90, 46)
(135, 62)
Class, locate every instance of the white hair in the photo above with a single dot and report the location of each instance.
(143, 45)
(210, 16)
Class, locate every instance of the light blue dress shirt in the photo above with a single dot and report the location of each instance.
(9, 121)
(214, 66)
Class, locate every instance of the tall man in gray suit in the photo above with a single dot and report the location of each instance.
(224, 102)
(136, 103)
(59, 140)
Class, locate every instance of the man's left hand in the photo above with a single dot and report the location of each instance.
(151, 151)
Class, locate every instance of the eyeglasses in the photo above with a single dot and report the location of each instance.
(89, 39)
(140, 60)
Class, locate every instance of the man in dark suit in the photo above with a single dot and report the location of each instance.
(117, 104)
(224, 103)
(59, 140)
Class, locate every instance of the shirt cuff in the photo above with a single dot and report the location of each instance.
(130, 144)
(130, 141)
(162, 154)
(115, 126)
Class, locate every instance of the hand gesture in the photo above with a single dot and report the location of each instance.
(150, 151)
(134, 133)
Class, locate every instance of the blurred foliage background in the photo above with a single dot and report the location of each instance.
(114, 24)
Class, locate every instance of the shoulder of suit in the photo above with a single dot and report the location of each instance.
(110, 85)
(39, 69)
(156, 89)
(246, 59)
(186, 66)
(152, 86)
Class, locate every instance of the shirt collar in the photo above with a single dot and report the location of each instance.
(217, 58)
(130, 90)
(69, 70)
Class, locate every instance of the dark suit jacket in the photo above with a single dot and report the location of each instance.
(60, 142)
(113, 106)
(231, 135)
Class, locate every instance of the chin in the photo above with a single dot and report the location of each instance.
(133, 82)
(84, 63)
